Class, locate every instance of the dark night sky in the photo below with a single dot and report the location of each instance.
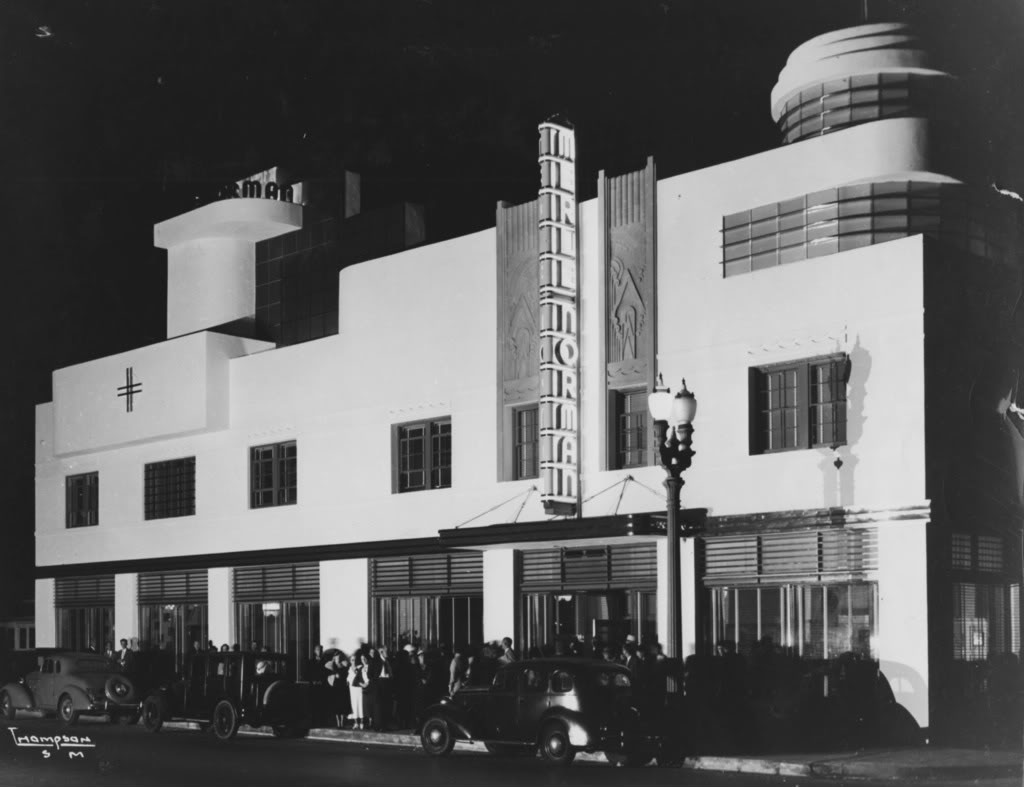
(127, 109)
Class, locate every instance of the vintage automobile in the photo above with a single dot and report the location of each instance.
(226, 690)
(559, 705)
(73, 684)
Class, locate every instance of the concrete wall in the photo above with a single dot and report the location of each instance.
(344, 603)
(903, 614)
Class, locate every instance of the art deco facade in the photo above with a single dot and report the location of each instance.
(326, 452)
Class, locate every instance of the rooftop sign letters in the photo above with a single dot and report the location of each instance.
(268, 184)
(559, 325)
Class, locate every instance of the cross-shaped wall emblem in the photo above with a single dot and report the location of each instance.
(129, 389)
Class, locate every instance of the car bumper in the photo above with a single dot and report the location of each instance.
(106, 706)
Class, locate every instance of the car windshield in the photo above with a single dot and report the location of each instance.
(93, 665)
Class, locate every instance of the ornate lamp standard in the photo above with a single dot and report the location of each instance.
(673, 427)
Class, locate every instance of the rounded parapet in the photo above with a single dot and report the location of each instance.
(853, 76)
(244, 219)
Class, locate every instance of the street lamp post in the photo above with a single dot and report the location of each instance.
(673, 427)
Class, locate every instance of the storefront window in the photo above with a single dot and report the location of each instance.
(291, 627)
(172, 628)
(429, 621)
(986, 620)
(85, 628)
(811, 621)
(551, 622)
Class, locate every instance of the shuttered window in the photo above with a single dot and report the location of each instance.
(288, 582)
(630, 566)
(777, 557)
(94, 591)
(181, 587)
(453, 573)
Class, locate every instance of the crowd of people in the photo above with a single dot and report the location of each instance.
(375, 688)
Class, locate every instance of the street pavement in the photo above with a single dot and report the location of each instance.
(130, 755)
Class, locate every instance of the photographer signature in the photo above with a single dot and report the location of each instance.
(48, 744)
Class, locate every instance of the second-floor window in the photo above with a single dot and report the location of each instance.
(273, 475)
(799, 405)
(524, 443)
(630, 428)
(423, 455)
(170, 488)
(82, 500)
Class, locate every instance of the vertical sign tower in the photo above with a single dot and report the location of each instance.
(559, 324)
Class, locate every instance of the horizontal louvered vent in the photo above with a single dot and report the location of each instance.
(173, 587)
(458, 572)
(95, 591)
(632, 567)
(290, 582)
(785, 556)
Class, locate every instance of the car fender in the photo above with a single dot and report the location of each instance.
(78, 696)
(20, 696)
(579, 733)
(456, 716)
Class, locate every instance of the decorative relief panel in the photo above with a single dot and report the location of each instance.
(518, 283)
(629, 211)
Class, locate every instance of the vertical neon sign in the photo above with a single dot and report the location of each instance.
(559, 324)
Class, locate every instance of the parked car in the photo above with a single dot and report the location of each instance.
(559, 705)
(72, 684)
(226, 690)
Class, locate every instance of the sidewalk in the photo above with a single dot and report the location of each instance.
(924, 762)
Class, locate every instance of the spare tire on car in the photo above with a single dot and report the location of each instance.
(119, 689)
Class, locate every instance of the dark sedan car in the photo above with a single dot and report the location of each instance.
(560, 706)
(227, 690)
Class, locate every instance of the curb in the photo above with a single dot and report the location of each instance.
(838, 767)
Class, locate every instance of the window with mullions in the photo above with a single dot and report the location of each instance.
(273, 475)
(525, 442)
(423, 455)
(170, 488)
(799, 405)
(82, 500)
(630, 428)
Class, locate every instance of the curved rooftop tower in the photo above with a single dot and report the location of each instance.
(855, 75)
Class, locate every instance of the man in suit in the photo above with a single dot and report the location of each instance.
(125, 657)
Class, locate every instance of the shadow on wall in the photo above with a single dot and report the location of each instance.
(838, 465)
(779, 702)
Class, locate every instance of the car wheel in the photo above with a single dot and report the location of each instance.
(437, 737)
(153, 713)
(627, 759)
(7, 709)
(66, 710)
(225, 720)
(555, 746)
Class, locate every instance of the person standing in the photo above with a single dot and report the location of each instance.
(358, 680)
(338, 689)
(508, 654)
(125, 657)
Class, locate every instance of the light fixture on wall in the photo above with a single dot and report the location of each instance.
(673, 428)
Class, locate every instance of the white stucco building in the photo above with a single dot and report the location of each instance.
(328, 452)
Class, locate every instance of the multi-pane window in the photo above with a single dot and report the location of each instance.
(423, 455)
(273, 475)
(82, 500)
(525, 442)
(170, 488)
(630, 425)
(799, 405)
